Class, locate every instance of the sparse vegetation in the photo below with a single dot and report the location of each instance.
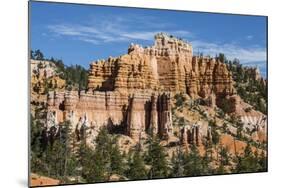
(250, 89)
(180, 99)
(75, 76)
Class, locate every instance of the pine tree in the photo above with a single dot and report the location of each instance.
(224, 156)
(36, 147)
(57, 158)
(104, 161)
(38, 55)
(96, 164)
(86, 155)
(223, 161)
(177, 164)
(193, 163)
(156, 158)
(262, 160)
(31, 54)
(248, 162)
(215, 138)
(220, 169)
(136, 166)
(239, 125)
(99, 168)
(35, 136)
(117, 161)
(207, 159)
(222, 58)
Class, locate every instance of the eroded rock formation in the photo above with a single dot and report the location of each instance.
(140, 112)
(134, 91)
(190, 134)
(166, 66)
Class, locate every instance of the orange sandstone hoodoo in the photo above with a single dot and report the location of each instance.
(135, 89)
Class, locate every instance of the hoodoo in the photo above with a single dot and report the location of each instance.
(135, 89)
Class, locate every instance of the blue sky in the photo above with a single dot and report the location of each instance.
(80, 34)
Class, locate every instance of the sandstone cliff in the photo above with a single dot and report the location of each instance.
(166, 66)
(135, 92)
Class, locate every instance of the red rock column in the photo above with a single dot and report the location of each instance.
(70, 102)
(135, 118)
(209, 135)
(154, 116)
(165, 116)
(184, 136)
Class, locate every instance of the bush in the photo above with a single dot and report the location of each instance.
(248, 109)
(179, 99)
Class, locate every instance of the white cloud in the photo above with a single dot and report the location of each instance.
(115, 29)
(93, 41)
(149, 35)
(108, 33)
(249, 37)
(146, 35)
(246, 55)
(65, 30)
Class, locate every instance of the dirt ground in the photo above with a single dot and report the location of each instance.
(37, 180)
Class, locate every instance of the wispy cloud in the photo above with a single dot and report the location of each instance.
(115, 29)
(249, 37)
(97, 35)
(253, 56)
(149, 35)
(246, 55)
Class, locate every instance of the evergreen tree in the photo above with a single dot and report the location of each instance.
(156, 158)
(136, 166)
(207, 159)
(31, 54)
(38, 55)
(56, 158)
(105, 160)
(177, 164)
(239, 125)
(215, 138)
(35, 135)
(96, 165)
(86, 155)
(248, 162)
(222, 58)
(262, 162)
(61, 150)
(117, 161)
(224, 156)
(220, 169)
(224, 160)
(193, 163)
(36, 146)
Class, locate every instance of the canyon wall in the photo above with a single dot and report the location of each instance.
(137, 113)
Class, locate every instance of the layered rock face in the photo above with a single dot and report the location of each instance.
(139, 113)
(166, 66)
(134, 91)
